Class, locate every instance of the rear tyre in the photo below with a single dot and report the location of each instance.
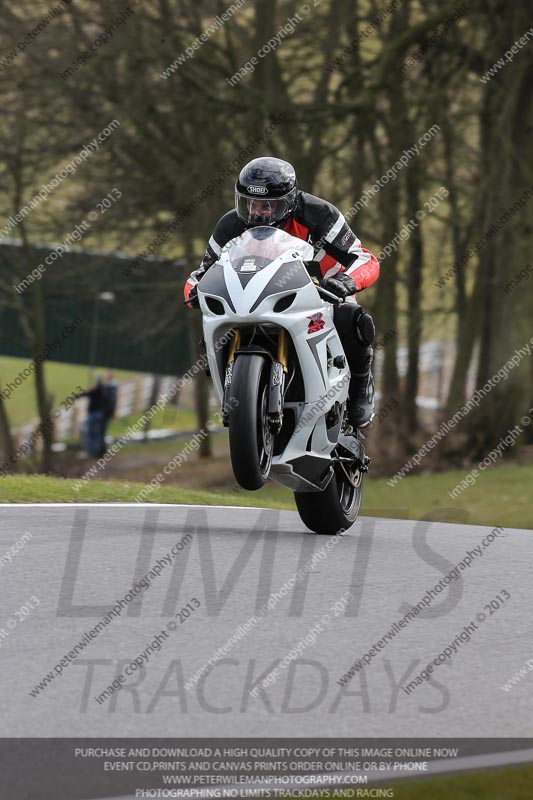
(250, 440)
(336, 508)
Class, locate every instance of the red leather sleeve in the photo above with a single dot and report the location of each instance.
(187, 290)
(364, 272)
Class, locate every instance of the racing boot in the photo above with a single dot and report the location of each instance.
(356, 330)
(361, 395)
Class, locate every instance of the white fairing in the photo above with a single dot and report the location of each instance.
(279, 256)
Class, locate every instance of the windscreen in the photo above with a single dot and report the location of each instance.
(267, 243)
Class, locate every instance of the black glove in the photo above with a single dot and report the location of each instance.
(340, 284)
(192, 300)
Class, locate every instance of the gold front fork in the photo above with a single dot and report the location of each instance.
(283, 348)
(234, 345)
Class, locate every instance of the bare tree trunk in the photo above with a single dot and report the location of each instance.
(506, 122)
(467, 335)
(154, 394)
(33, 322)
(7, 446)
(44, 400)
(461, 330)
(386, 306)
(201, 381)
(201, 390)
(414, 276)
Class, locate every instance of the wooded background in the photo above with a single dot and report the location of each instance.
(346, 88)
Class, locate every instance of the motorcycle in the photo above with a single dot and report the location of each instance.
(282, 377)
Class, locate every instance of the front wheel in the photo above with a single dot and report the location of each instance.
(250, 440)
(336, 508)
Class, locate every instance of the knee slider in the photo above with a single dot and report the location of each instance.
(364, 328)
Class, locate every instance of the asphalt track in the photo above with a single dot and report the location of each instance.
(80, 560)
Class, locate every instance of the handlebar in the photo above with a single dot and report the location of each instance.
(329, 296)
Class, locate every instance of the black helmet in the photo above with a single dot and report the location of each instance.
(265, 191)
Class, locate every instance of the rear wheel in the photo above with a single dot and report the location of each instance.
(336, 508)
(250, 439)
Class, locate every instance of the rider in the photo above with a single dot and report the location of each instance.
(266, 193)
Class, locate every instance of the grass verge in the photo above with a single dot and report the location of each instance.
(510, 783)
(42, 489)
(502, 496)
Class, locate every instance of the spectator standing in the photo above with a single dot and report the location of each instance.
(96, 422)
(111, 390)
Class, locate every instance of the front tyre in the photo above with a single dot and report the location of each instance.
(336, 508)
(250, 440)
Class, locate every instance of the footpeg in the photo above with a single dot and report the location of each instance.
(354, 447)
(366, 464)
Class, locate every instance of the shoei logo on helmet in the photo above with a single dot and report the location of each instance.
(257, 189)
